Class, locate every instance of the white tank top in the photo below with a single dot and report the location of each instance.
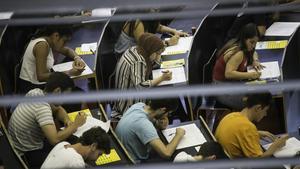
(28, 69)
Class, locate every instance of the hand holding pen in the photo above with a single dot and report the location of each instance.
(166, 75)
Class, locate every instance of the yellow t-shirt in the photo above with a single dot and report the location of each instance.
(238, 136)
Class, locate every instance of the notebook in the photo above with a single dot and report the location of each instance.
(108, 158)
(73, 115)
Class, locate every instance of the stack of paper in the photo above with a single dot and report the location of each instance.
(282, 29)
(292, 146)
(178, 75)
(192, 137)
(184, 45)
(62, 67)
(271, 70)
(86, 47)
(271, 44)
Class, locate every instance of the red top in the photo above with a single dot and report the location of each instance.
(220, 65)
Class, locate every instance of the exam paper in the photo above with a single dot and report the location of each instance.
(87, 47)
(192, 137)
(184, 44)
(282, 29)
(270, 71)
(178, 75)
(292, 146)
(62, 67)
(90, 123)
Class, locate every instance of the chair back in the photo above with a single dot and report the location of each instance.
(9, 155)
(212, 116)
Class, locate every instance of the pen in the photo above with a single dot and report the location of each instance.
(171, 134)
(92, 51)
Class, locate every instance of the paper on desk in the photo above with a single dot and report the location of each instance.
(5, 15)
(271, 44)
(184, 44)
(292, 146)
(192, 137)
(102, 12)
(270, 71)
(178, 75)
(172, 63)
(62, 67)
(282, 28)
(87, 47)
(90, 123)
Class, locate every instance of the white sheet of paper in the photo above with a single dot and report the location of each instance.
(87, 47)
(102, 12)
(178, 75)
(197, 148)
(192, 137)
(292, 146)
(5, 15)
(92, 122)
(270, 71)
(68, 65)
(184, 44)
(282, 28)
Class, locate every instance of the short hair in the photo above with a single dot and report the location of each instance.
(264, 99)
(58, 79)
(96, 135)
(212, 148)
(169, 104)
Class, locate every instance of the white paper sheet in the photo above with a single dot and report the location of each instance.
(282, 29)
(5, 15)
(270, 71)
(184, 44)
(292, 146)
(92, 122)
(178, 75)
(87, 47)
(102, 12)
(192, 137)
(68, 65)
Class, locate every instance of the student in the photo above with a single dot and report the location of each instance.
(90, 146)
(239, 136)
(232, 62)
(39, 58)
(31, 123)
(133, 30)
(134, 68)
(208, 151)
(139, 136)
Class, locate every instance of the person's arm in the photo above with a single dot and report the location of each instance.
(164, 77)
(256, 64)
(54, 136)
(78, 63)
(41, 52)
(166, 151)
(232, 65)
(138, 31)
(61, 114)
(166, 29)
(277, 144)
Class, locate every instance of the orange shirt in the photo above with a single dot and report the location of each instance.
(238, 136)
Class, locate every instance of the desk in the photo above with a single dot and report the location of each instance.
(88, 33)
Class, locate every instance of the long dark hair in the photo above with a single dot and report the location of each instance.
(247, 32)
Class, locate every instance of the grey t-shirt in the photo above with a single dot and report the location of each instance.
(135, 131)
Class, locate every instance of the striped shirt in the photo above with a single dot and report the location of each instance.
(26, 121)
(130, 73)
